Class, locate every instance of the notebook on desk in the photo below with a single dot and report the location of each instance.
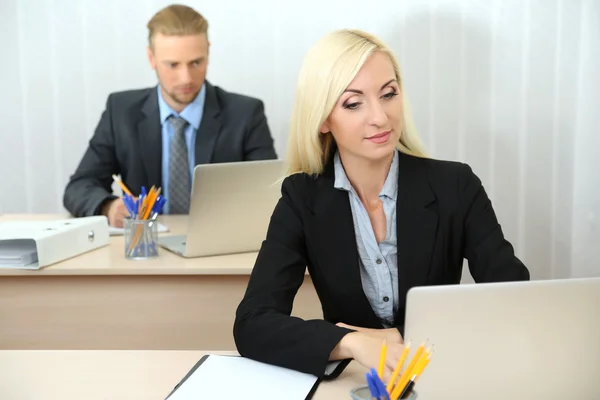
(234, 377)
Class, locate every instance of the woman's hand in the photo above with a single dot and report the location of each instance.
(392, 335)
(365, 349)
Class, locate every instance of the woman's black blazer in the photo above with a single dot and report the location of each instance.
(443, 216)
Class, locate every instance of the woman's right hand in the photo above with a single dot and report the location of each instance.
(366, 350)
(390, 334)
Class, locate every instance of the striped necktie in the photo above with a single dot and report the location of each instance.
(179, 169)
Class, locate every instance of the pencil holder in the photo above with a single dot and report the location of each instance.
(141, 237)
(363, 393)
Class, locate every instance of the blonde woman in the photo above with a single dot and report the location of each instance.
(367, 212)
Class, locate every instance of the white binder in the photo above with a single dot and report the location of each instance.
(37, 244)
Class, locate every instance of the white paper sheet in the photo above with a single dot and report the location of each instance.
(17, 253)
(231, 377)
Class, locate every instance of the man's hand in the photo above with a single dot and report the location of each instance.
(116, 212)
(392, 335)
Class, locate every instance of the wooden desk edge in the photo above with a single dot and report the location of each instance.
(197, 266)
(49, 271)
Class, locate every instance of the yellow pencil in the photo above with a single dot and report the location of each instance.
(398, 368)
(122, 185)
(151, 201)
(419, 368)
(382, 359)
(409, 371)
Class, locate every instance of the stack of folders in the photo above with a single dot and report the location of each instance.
(38, 244)
(18, 253)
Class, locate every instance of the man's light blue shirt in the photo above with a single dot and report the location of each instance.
(192, 113)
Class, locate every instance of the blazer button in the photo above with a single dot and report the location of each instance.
(379, 261)
(386, 299)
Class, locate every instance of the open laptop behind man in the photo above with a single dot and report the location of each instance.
(156, 136)
(231, 208)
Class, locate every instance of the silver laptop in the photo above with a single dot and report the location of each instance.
(230, 208)
(508, 341)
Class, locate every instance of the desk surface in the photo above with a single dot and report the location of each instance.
(115, 375)
(110, 260)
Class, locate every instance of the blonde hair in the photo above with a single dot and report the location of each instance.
(176, 20)
(328, 68)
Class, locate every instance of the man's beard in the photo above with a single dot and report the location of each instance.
(183, 100)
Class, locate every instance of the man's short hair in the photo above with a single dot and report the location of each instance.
(176, 20)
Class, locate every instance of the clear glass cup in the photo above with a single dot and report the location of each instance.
(363, 393)
(141, 239)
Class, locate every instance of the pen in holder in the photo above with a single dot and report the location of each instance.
(401, 383)
(141, 233)
(364, 393)
(141, 237)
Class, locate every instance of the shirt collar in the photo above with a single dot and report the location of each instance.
(390, 186)
(192, 113)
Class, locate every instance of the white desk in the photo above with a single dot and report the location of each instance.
(118, 375)
(100, 300)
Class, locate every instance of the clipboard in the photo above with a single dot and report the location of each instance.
(37, 244)
(248, 392)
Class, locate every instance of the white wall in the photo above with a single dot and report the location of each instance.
(586, 199)
(511, 87)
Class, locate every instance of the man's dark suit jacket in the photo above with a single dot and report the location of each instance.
(443, 216)
(128, 141)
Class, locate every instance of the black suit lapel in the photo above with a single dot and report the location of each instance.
(150, 139)
(210, 127)
(416, 226)
(331, 232)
